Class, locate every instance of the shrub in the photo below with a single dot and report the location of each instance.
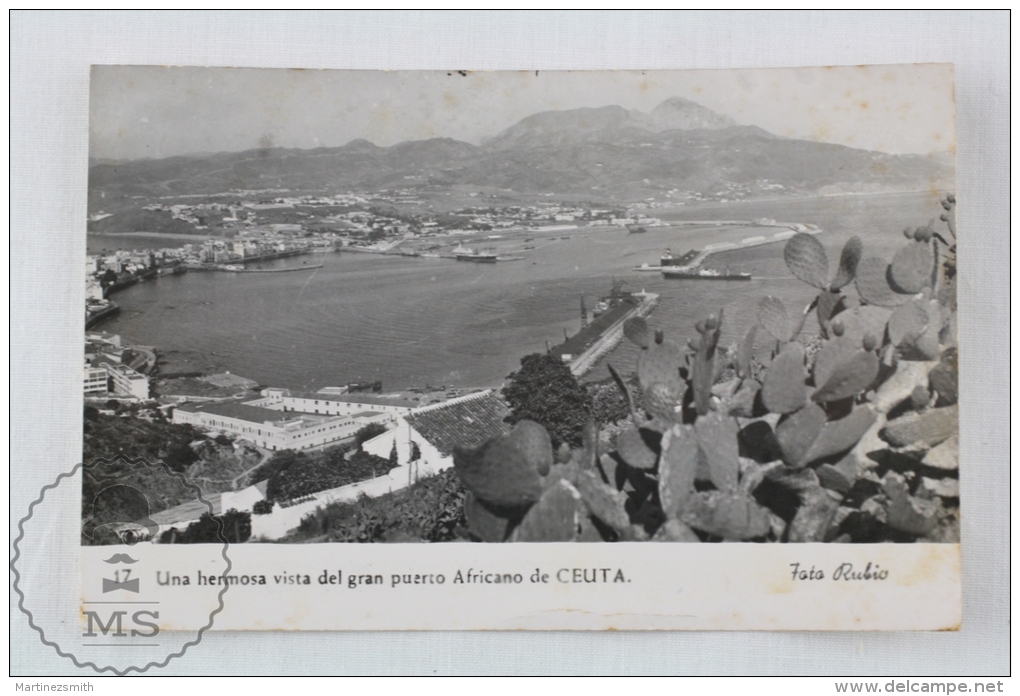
(545, 391)
(293, 474)
(430, 510)
(235, 528)
(262, 507)
(367, 433)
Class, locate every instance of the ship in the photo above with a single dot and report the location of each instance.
(610, 310)
(668, 259)
(703, 274)
(465, 254)
(636, 229)
(689, 267)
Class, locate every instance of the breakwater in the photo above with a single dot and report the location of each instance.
(238, 269)
(583, 363)
(96, 317)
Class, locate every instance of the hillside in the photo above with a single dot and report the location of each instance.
(608, 153)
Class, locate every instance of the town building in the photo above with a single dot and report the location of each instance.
(97, 381)
(275, 429)
(329, 403)
(432, 432)
(127, 382)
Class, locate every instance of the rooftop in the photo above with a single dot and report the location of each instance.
(236, 409)
(367, 399)
(465, 422)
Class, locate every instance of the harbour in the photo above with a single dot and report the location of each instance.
(408, 320)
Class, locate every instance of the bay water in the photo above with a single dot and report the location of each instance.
(412, 321)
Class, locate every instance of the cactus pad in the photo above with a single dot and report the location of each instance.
(840, 435)
(772, 315)
(717, 442)
(484, 523)
(783, 390)
(826, 308)
(852, 376)
(727, 515)
(832, 353)
(742, 402)
(661, 402)
(928, 428)
(873, 283)
(498, 473)
(703, 369)
(674, 530)
(555, 517)
(660, 362)
(848, 260)
(806, 259)
(603, 501)
(532, 440)
(636, 329)
(745, 352)
(631, 445)
(911, 268)
(944, 379)
(676, 471)
(797, 432)
(907, 513)
(908, 323)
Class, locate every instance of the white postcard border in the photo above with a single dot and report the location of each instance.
(48, 165)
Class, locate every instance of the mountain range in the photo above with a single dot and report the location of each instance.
(607, 153)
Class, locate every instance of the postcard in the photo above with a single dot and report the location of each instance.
(659, 350)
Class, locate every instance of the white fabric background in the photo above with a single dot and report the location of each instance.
(50, 58)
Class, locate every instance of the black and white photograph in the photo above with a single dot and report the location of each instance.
(494, 307)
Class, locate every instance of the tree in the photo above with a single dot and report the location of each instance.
(394, 458)
(545, 391)
(367, 433)
(235, 526)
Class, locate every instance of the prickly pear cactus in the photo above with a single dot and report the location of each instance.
(717, 445)
(849, 377)
(797, 432)
(499, 473)
(660, 363)
(873, 283)
(848, 260)
(911, 268)
(677, 468)
(703, 369)
(555, 517)
(806, 259)
(772, 315)
(636, 329)
(783, 390)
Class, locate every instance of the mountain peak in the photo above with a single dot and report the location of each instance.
(684, 114)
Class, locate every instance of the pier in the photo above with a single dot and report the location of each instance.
(587, 360)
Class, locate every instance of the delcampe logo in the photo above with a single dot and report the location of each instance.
(127, 621)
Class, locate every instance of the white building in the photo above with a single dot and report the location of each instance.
(272, 428)
(329, 403)
(127, 382)
(97, 381)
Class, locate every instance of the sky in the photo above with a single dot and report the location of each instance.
(150, 111)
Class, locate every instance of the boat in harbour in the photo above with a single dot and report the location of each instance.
(669, 259)
(462, 253)
(689, 266)
(703, 274)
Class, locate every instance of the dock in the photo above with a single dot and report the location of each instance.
(587, 360)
